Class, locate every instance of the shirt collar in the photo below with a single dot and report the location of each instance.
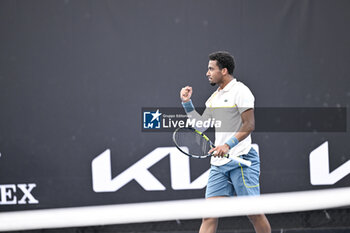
(229, 85)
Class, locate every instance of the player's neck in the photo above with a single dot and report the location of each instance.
(225, 81)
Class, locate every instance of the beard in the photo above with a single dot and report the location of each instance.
(212, 83)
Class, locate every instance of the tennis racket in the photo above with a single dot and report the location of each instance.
(198, 144)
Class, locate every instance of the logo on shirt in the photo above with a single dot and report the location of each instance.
(152, 120)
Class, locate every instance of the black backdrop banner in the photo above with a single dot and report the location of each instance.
(74, 76)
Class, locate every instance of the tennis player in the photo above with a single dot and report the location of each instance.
(227, 177)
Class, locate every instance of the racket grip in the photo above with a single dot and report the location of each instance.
(238, 159)
(242, 161)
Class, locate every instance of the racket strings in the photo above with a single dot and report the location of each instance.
(197, 145)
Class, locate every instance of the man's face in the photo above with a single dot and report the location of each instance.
(214, 73)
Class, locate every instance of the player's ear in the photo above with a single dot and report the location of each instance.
(224, 71)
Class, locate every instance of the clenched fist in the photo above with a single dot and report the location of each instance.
(186, 93)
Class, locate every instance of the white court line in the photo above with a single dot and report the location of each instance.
(171, 210)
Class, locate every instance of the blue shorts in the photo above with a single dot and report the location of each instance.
(234, 178)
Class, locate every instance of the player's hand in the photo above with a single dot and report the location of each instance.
(186, 93)
(220, 151)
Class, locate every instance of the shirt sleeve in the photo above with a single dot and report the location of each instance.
(245, 99)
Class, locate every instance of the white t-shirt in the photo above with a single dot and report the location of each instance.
(227, 105)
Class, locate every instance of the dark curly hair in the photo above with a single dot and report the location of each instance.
(223, 60)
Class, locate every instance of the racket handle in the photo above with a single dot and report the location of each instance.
(238, 159)
(242, 161)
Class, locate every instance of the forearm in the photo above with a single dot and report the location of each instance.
(194, 116)
(248, 126)
(245, 130)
